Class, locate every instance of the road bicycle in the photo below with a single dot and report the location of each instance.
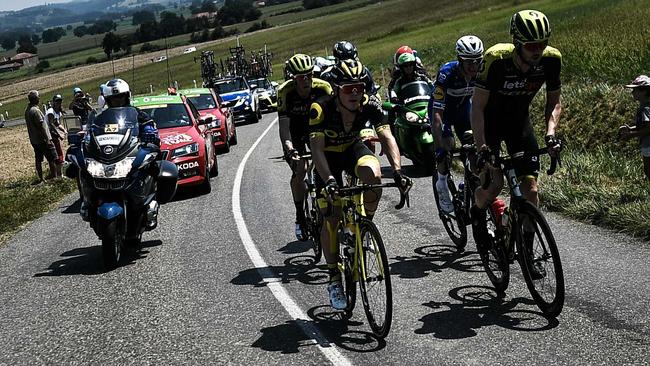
(363, 258)
(522, 232)
(313, 215)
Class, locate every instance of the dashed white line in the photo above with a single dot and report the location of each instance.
(267, 275)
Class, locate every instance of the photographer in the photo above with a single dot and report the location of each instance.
(80, 105)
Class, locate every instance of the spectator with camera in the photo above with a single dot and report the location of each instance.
(80, 104)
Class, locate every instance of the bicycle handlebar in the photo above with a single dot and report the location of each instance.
(507, 160)
(351, 191)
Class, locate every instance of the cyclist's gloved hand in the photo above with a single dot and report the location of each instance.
(331, 187)
(553, 144)
(402, 180)
(292, 157)
(373, 100)
(441, 154)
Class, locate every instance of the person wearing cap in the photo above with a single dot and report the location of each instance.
(80, 104)
(39, 137)
(101, 101)
(641, 128)
(54, 117)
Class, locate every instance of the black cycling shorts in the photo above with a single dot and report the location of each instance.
(519, 137)
(347, 160)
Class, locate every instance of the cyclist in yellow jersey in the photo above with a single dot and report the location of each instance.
(336, 145)
(512, 75)
(295, 97)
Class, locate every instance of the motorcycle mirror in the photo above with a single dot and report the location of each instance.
(387, 106)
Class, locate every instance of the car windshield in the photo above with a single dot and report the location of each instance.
(229, 86)
(262, 83)
(169, 116)
(203, 101)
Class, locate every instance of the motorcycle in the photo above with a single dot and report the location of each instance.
(122, 179)
(412, 129)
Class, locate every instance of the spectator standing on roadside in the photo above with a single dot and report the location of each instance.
(101, 102)
(641, 128)
(39, 137)
(80, 105)
(57, 130)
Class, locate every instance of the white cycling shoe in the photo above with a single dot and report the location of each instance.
(444, 197)
(337, 296)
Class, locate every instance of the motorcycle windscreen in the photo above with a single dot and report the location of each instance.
(415, 95)
(113, 133)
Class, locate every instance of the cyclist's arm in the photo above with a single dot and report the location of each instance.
(317, 145)
(285, 133)
(479, 102)
(552, 111)
(436, 109)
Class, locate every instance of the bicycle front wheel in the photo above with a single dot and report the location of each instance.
(540, 260)
(374, 280)
(313, 220)
(454, 224)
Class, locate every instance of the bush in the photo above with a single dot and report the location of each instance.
(42, 65)
(257, 26)
(148, 47)
(91, 60)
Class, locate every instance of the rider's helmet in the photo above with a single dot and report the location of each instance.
(406, 58)
(529, 26)
(400, 51)
(115, 89)
(469, 47)
(76, 90)
(345, 50)
(101, 88)
(348, 71)
(300, 64)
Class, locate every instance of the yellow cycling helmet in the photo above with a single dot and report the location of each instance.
(349, 71)
(530, 26)
(300, 64)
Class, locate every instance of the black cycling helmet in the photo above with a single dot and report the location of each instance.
(345, 50)
(349, 71)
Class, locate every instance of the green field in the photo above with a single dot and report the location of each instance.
(603, 47)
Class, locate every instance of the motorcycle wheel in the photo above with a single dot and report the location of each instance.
(112, 243)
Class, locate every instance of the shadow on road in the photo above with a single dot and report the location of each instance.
(73, 208)
(289, 337)
(297, 268)
(296, 247)
(434, 258)
(88, 260)
(479, 306)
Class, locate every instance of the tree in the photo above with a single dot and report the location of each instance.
(25, 44)
(143, 16)
(111, 43)
(69, 27)
(80, 31)
(36, 39)
(8, 43)
(235, 11)
(171, 24)
(53, 34)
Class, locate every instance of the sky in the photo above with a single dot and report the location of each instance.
(22, 4)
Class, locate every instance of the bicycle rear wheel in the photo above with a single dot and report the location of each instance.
(493, 256)
(540, 260)
(454, 224)
(313, 220)
(374, 282)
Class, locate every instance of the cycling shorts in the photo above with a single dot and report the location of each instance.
(519, 137)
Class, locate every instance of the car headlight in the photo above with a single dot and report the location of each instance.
(412, 117)
(191, 149)
(118, 170)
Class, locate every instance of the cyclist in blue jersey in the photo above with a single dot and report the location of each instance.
(451, 105)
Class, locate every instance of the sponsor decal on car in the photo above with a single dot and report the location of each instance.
(176, 139)
(189, 165)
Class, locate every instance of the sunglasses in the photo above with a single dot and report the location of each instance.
(303, 77)
(472, 61)
(350, 89)
(535, 46)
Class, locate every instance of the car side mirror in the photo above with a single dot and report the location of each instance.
(253, 86)
(205, 121)
(274, 84)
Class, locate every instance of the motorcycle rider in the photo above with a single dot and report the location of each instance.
(451, 106)
(117, 94)
(396, 69)
(409, 72)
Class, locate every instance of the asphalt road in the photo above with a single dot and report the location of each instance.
(223, 281)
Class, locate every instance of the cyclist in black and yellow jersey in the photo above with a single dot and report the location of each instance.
(336, 145)
(512, 75)
(295, 97)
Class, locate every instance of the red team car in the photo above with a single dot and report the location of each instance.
(208, 103)
(185, 138)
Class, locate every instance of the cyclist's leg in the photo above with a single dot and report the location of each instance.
(523, 139)
(298, 188)
(368, 169)
(442, 163)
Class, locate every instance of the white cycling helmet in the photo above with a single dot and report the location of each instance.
(469, 47)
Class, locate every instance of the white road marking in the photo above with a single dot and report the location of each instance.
(272, 282)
